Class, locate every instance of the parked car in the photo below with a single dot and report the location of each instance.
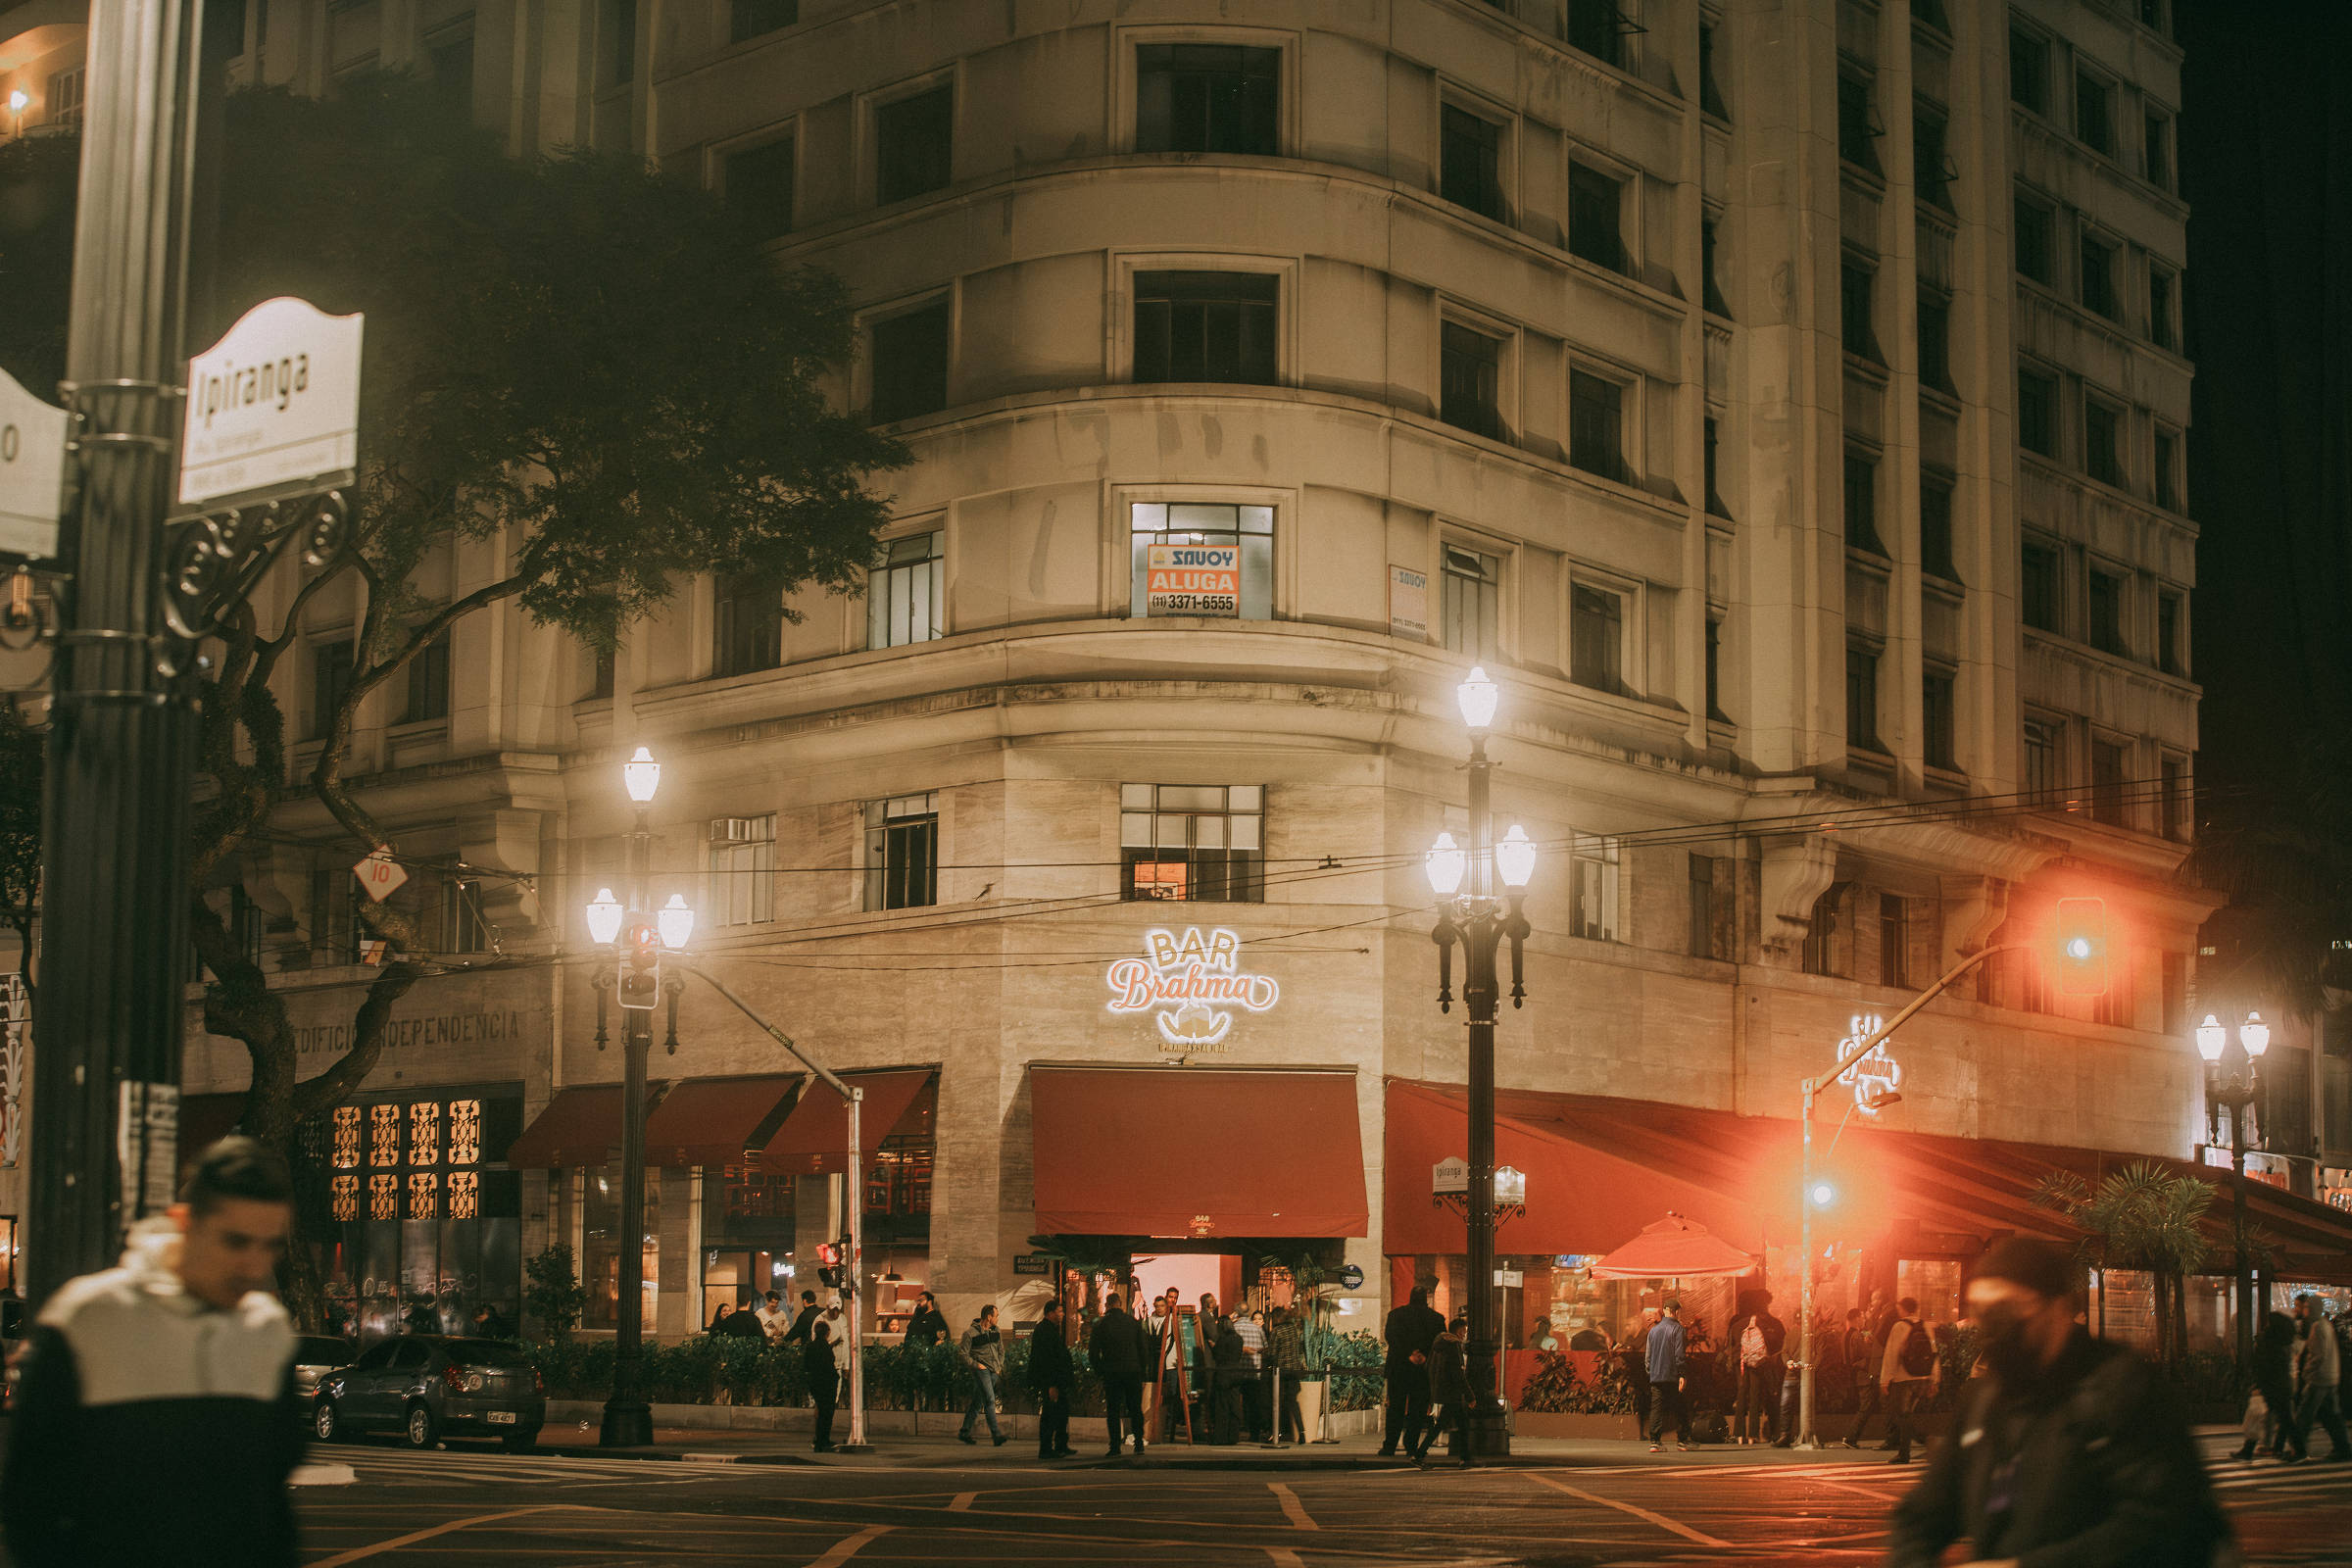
(430, 1386)
(318, 1355)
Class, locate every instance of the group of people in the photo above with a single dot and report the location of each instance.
(818, 1330)
(1243, 1367)
(1428, 1376)
(2298, 1372)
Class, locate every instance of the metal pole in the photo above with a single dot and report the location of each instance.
(628, 1420)
(854, 1271)
(1806, 1437)
(120, 750)
(1489, 1435)
(2242, 1284)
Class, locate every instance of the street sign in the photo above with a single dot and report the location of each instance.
(1510, 1279)
(274, 408)
(33, 472)
(1450, 1175)
(1352, 1277)
(1032, 1263)
(380, 876)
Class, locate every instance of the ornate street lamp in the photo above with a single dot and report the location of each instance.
(1481, 921)
(2235, 1083)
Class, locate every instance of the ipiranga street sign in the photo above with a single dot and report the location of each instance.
(274, 408)
(32, 472)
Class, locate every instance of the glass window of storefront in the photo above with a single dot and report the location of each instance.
(601, 1236)
(897, 1213)
(748, 1220)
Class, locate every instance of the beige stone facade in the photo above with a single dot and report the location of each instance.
(1702, 524)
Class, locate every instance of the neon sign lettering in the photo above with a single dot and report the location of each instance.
(1190, 984)
(1874, 1073)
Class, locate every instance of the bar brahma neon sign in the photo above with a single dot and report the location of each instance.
(1190, 984)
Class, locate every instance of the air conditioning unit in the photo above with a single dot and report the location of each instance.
(732, 830)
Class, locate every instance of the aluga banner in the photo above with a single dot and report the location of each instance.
(1195, 580)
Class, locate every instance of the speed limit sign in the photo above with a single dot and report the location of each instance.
(380, 876)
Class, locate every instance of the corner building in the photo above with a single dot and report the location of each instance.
(1782, 400)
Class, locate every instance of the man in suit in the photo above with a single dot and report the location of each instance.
(1411, 1332)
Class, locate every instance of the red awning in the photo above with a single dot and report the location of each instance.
(711, 1121)
(580, 1126)
(1197, 1153)
(815, 1136)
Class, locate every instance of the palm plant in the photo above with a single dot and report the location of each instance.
(2143, 1218)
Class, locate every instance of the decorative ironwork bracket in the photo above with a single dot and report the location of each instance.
(214, 559)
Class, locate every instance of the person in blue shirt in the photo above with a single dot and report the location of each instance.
(1664, 1353)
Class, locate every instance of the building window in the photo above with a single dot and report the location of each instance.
(747, 625)
(2102, 442)
(64, 96)
(1201, 559)
(2169, 620)
(2151, 15)
(624, 40)
(1855, 281)
(1935, 524)
(1862, 504)
(1931, 160)
(1894, 940)
(2110, 775)
(1594, 30)
(1710, 435)
(2038, 413)
(2172, 782)
(1470, 379)
(914, 142)
(1704, 943)
(2029, 70)
(428, 682)
(750, 19)
(905, 590)
(2042, 603)
(1592, 888)
(2095, 117)
(1711, 92)
(463, 927)
(2037, 227)
(1711, 287)
(2107, 612)
(1470, 161)
(1862, 696)
(330, 683)
(1597, 216)
(910, 364)
(1857, 134)
(1828, 941)
(1472, 584)
(2168, 469)
(1595, 638)
(1193, 842)
(1596, 425)
(2098, 278)
(2044, 769)
(759, 185)
(1939, 719)
(1934, 340)
(742, 870)
(2156, 147)
(1714, 675)
(902, 852)
(2160, 310)
(1206, 98)
(1204, 326)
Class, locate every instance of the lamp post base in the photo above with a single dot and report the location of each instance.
(628, 1424)
(1489, 1430)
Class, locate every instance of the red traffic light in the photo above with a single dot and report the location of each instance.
(2082, 947)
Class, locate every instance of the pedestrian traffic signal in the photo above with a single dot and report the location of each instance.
(640, 984)
(2083, 947)
(831, 1271)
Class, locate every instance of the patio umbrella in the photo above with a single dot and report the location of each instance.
(1674, 1249)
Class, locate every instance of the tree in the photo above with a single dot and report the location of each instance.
(574, 368)
(2143, 1218)
(554, 1294)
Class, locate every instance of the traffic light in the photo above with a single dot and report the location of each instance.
(640, 984)
(2083, 947)
(831, 1271)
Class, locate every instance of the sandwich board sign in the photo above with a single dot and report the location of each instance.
(274, 408)
(33, 472)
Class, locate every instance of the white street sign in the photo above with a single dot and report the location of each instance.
(273, 407)
(32, 472)
(380, 876)
(1450, 1175)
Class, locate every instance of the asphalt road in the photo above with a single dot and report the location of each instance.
(463, 1506)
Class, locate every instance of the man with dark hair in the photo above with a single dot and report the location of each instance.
(1449, 1391)
(1051, 1374)
(929, 1325)
(1907, 1375)
(1120, 1352)
(2069, 1449)
(160, 1396)
(1411, 1332)
(809, 1313)
(2319, 1369)
(824, 1381)
(1667, 1354)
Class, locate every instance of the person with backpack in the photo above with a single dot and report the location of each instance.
(1907, 1375)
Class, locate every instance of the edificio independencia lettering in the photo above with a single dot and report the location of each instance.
(443, 1029)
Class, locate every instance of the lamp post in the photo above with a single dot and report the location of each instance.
(1481, 921)
(2237, 1084)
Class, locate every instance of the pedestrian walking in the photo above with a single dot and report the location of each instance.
(2271, 1408)
(929, 1325)
(1753, 1341)
(1410, 1331)
(1666, 1359)
(2318, 1370)
(824, 1380)
(982, 1350)
(1865, 1343)
(155, 1418)
(1448, 1391)
(2067, 1449)
(1053, 1374)
(1121, 1354)
(1287, 1334)
(1908, 1374)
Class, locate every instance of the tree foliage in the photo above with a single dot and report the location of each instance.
(587, 374)
(2142, 1218)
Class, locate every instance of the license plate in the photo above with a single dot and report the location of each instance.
(501, 1418)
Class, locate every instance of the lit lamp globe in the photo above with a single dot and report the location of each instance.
(1515, 859)
(2212, 1037)
(1445, 864)
(1479, 697)
(2254, 1035)
(17, 101)
(604, 919)
(676, 922)
(642, 776)
(1824, 1194)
